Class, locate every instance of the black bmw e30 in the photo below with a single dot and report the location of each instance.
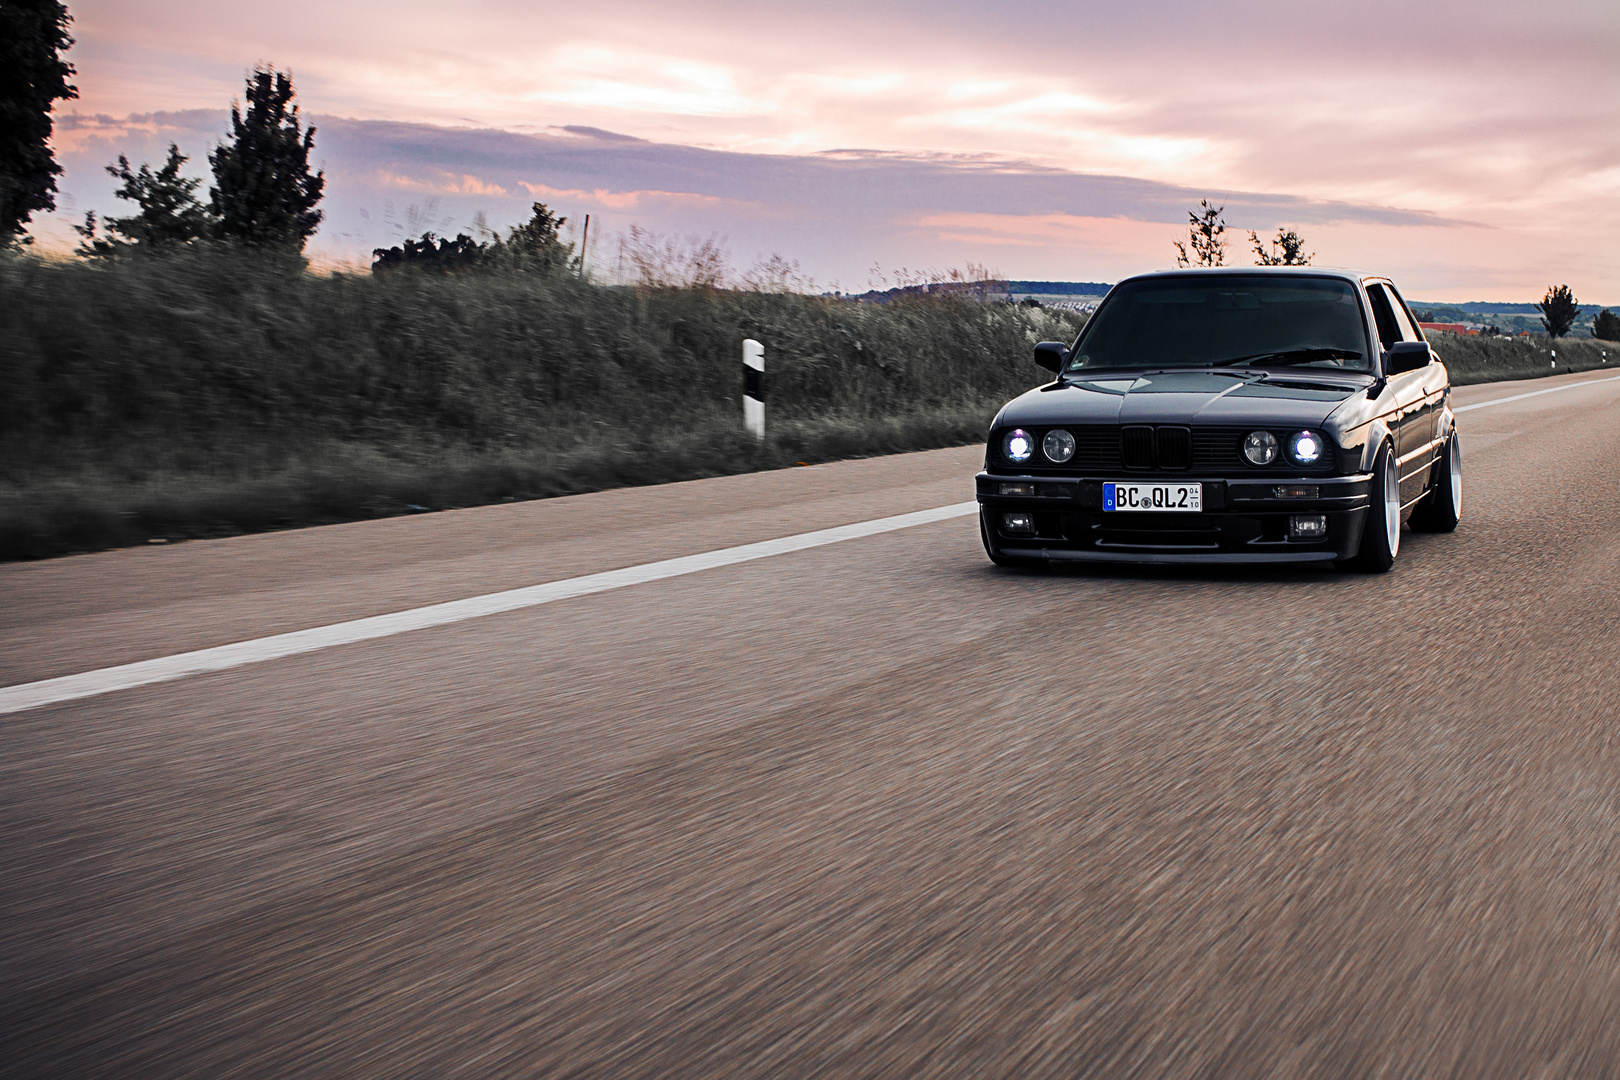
(1291, 415)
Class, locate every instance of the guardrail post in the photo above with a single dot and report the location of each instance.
(754, 388)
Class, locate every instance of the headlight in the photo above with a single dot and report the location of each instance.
(1259, 447)
(1305, 448)
(1018, 446)
(1058, 446)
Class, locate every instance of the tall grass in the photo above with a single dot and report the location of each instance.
(209, 392)
(1491, 359)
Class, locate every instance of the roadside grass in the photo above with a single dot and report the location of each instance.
(97, 507)
(209, 394)
(1492, 359)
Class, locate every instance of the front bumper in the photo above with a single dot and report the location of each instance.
(1244, 520)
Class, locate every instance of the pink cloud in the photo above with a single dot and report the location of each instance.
(442, 184)
(623, 200)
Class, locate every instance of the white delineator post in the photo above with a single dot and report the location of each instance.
(754, 387)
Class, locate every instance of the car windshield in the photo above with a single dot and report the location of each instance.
(1226, 320)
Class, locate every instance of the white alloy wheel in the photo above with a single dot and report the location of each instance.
(1392, 504)
(1441, 508)
(1381, 534)
(1454, 466)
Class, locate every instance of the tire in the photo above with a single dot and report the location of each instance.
(997, 557)
(1441, 508)
(1381, 536)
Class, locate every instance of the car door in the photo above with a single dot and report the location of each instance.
(1434, 376)
(1409, 418)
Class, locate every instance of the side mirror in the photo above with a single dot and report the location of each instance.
(1406, 356)
(1052, 355)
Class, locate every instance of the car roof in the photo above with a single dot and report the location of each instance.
(1280, 271)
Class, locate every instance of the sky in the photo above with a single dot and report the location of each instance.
(1471, 151)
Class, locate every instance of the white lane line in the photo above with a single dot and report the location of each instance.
(222, 657)
(1533, 393)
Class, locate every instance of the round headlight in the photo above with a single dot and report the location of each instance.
(1259, 447)
(1018, 446)
(1058, 445)
(1305, 448)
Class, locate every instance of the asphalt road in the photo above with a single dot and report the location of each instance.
(872, 809)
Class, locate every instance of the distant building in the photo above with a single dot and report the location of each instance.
(1455, 328)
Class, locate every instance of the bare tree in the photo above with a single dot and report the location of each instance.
(1204, 234)
(1285, 250)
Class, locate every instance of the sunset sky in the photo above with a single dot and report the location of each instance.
(1470, 150)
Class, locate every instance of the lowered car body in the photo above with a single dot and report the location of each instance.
(1215, 416)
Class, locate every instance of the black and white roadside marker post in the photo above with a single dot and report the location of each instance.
(754, 388)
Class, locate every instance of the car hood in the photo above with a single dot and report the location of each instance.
(1186, 397)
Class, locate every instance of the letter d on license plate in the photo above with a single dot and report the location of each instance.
(1187, 498)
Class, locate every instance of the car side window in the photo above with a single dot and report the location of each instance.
(1389, 331)
(1403, 316)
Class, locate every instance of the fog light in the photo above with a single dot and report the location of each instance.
(1016, 489)
(1019, 524)
(1307, 526)
(1297, 491)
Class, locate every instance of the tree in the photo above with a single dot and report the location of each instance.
(263, 192)
(537, 242)
(1285, 250)
(169, 217)
(1558, 310)
(1204, 234)
(1606, 326)
(33, 36)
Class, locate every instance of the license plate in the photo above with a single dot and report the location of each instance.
(1186, 498)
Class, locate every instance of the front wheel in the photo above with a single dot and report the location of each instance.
(1441, 508)
(1381, 537)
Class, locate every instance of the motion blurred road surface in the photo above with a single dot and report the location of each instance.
(873, 809)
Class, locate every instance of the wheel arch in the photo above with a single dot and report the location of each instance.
(1378, 434)
(1445, 424)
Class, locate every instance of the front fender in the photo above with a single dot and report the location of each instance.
(1375, 435)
